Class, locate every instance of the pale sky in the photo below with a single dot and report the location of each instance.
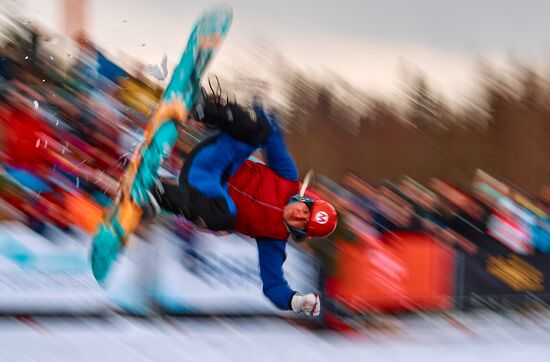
(366, 42)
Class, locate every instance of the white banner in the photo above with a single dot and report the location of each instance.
(206, 275)
(38, 275)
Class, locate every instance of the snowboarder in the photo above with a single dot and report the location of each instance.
(221, 189)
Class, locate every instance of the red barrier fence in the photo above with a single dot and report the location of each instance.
(401, 272)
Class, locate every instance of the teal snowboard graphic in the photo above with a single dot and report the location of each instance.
(123, 218)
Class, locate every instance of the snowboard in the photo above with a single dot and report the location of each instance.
(160, 136)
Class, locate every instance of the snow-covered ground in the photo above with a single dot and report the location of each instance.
(50, 275)
(465, 337)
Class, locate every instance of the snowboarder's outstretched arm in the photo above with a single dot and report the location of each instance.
(277, 155)
(272, 256)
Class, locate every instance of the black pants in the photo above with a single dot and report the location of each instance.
(201, 195)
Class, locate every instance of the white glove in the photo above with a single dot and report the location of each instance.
(309, 304)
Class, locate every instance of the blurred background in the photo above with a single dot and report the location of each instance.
(426, 124)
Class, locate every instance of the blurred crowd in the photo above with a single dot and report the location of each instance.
(491, 215)
(68, 128)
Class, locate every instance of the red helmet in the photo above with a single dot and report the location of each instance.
(323, 219)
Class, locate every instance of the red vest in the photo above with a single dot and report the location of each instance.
(260, 196)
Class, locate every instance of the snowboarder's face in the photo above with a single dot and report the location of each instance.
(296, 214)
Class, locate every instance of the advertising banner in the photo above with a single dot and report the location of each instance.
(158, 273)
(38, 275)
(483, 277)
(201, 274)
(402, 271)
